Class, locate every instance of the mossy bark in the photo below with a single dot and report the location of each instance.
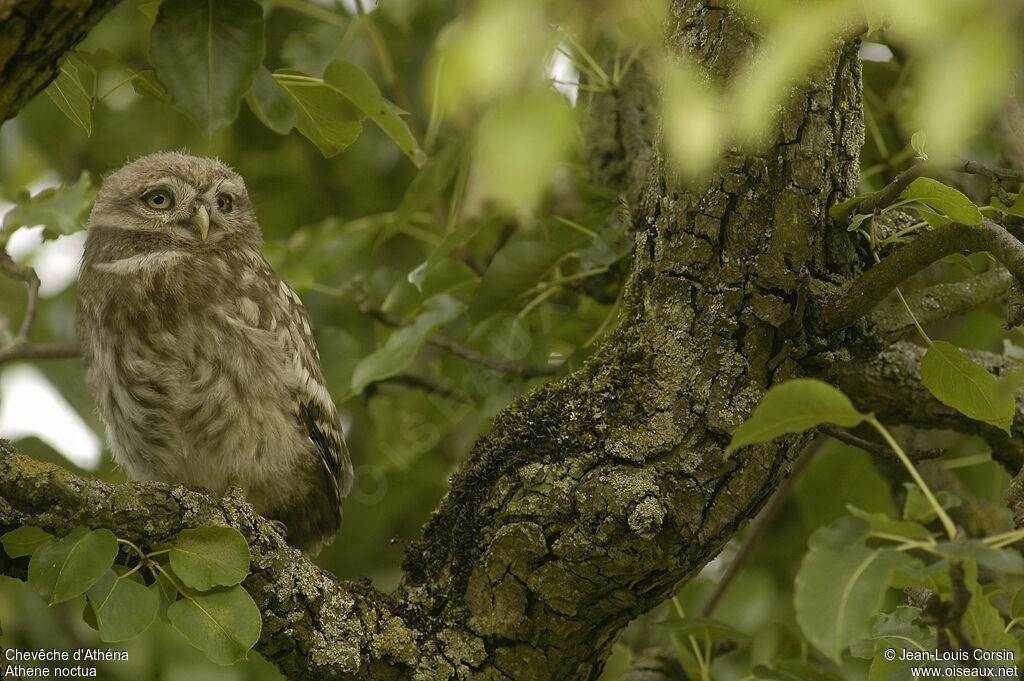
(592, 498)
(34, 36)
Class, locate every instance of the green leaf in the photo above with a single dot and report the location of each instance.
(1016, 209)
(917, 507)
(146, 83)
(223, 623)
(898, 626)
(917, 142)
(882, 668)
(944, 199)
(982, 623)
(934, 220)
(403, 344)
(165, 591)
(271, 103)
(855, 223)
(1017, 606)
(883, 524)
(705, 630)
(519, 146)
(843, 532)
(515, 269)
(61, 210)
(1005, 561)
(608, 247)
(62, 569)
(210, 556)
(793, 407)
(324, 115)
(354, 83)
(853, 582)
(429, 182)
(839, 211)
(206, 53)
(23, 541)
(959, 383)
(71, 97)
(122, 607)
(150, 9)
(795, 670)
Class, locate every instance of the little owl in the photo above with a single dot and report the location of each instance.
(200, 359)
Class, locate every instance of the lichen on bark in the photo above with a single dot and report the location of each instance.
(592, 498)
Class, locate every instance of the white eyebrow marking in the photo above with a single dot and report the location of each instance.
(137, 263)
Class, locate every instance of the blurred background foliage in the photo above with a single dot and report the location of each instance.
(454, 261)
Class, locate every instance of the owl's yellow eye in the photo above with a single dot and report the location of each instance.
(224, 203)
(159, 199)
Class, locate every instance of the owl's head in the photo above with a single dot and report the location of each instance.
(188, 199)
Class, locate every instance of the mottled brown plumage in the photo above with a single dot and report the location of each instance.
(200, 358)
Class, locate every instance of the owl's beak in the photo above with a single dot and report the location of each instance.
(201, 219)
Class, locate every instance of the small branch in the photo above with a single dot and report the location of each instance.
(525, 370)
(876, 448)
(888, 194)
(890, 384)
(941, 301)
(871, 287)
(301, 637)
(963, 165)
(415, 381)
(27, 275)
(24, 351)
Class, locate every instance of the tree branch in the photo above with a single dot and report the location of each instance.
(876, 448)
(963, 165)
(314, 625)
(595, 496)
(889, 385)
(34, 36)
(871, 287)
(941, 301)
(888, 194)
(24, 351)
(27, 275)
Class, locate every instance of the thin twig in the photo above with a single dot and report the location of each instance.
(24, 351)
(760, 526)
(871, 287)
(877, 448)
(963, 165)
(27, 275)
(525, 370)
(416, 381)
(888, 194)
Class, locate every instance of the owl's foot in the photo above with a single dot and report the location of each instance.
(280, 528)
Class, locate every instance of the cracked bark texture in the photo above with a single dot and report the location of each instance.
(34, 36)
(593, 498)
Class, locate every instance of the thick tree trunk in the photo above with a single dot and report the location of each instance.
(593, 498)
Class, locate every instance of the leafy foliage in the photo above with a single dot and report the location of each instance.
(467, 212)
(195, 583)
